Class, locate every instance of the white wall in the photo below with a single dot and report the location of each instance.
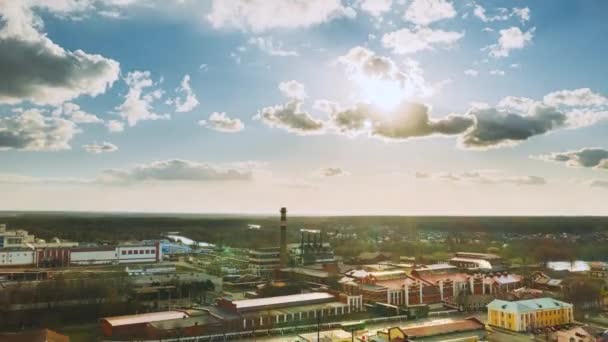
(133, 254)
(94, 257)
(16, 258)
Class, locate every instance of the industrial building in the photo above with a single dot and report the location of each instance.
(22, 239)
(479, 261)
(71, 256)
(273, 311)
(229, 315)
(435, 284)
(263, 261)
(470, 329)
(530, 314)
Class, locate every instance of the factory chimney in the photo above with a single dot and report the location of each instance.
(283, 254)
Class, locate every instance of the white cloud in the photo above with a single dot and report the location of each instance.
(115, 126)
(407, 41)
(137, 105)
(497, 72)
(379, 78)
(516, 103)
(31, 130)
(510, 39)
(576, 97)
(35, 69)
(483, 177)
(180, 170)
(293, 89)
(471, 72)
(75, 114)
(189, 102)
(480, 12)
(223, 123)
(104, 147)
(522, 13)
(263, 15)
(267, 45)
(376, 7)
(424, 12)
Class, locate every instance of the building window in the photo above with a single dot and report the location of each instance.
(130, 252)
(124, 252)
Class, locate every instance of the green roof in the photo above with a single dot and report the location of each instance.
(528, 305)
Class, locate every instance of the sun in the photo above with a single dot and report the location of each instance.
(382, 93)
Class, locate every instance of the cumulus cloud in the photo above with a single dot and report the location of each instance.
(576, 97)
(407, 41)
(223, 123)
(268, 45)
(376, 8)
(590, 157)
(31, 130)
(290, 117)
(115, 126)
(409, 120)
(379, 76)
(35, 69)
(333, 172)
(100, 148)
(516, 103)
(75, 114)
(293, 89)
(480, 12)
(484, 177)
(180, 170)
(189, 101)
(137, 105)
(522, 13)
(263, 15)
(424, 12)
(510, 39)
(496, 128)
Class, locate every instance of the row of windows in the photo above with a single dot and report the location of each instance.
(135, 251)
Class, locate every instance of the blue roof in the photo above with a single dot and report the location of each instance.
(528, 305)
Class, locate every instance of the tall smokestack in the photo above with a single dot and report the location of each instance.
(283, 237)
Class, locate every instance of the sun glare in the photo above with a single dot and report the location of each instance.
(384, 94)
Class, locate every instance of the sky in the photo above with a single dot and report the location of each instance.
(334, 107)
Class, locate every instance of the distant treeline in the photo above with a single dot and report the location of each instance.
(233, 230)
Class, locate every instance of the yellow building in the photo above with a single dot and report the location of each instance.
(525, 315)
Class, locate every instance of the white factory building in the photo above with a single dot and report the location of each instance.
(19, 249)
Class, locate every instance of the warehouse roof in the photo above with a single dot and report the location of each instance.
(442, 328)
(252, 304)
(528, 305)
(145, 318)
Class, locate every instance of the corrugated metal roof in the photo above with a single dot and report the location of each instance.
(528, 305)
(145, 318)
(304, 297)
